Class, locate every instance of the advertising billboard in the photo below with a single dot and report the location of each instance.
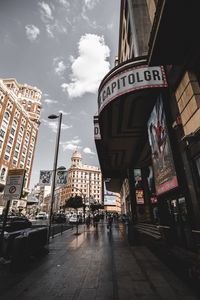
(109, 198)
(45, 178)
(139, 196)
(162, 158)
(61, 177)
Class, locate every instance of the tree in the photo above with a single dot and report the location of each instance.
(96, 206)
(74, 202)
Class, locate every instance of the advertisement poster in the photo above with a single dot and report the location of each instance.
(139, 196)
(45, 178)
(61, 177)
(109, 197)
(163, 164)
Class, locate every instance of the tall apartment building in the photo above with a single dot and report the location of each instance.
(83, 180)
(20, 108)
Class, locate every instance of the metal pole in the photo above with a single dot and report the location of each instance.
(54, 174)
(84, 208)
(4, 220)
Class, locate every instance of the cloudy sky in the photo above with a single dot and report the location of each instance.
(64, 47)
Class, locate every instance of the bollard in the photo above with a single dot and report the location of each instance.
(20, 253)
(52, 232)
(61, 229)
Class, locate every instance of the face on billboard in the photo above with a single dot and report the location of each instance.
(61, 177)
(163, 164)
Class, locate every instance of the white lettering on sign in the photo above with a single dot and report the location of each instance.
(97, 135)
(134, 78)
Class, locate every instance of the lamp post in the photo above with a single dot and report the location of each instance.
(52, 117)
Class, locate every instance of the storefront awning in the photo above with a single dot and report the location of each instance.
(125, 100)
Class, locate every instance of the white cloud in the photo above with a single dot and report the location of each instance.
(32, 32)
(50, 101)
(60, 68)
(110, 26)
(71, 144)
(56, 26)
(70, 147)
(89, 68)
(49, 31)
(87, 150)
(45, 11)
(53, 125)
(65, 3)
(90, 4)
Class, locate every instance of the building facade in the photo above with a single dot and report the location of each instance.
(150, 103)
(83, 180)
(20, 106)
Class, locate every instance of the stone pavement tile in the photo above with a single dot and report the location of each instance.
(105, 290)
(86, 294)
(142, 288)
(126, 294)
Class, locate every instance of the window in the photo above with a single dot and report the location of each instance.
(6, 116)
(3, 172)
(6, 157)
(8, 149)
(21, 129)
(14, 125)
(1, 144)
(16, 154)
(2, 133)
(14, 162)
(10, 141)
(17, 146)
(12, 131)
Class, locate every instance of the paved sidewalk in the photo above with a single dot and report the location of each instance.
(96, 265)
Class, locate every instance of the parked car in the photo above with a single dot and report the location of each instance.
(59, 218)
(15, 222)
(73, 219)
(41, 216)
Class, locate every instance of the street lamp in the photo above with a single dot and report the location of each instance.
(52, 117)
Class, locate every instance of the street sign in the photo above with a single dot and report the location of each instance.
(14, 184)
